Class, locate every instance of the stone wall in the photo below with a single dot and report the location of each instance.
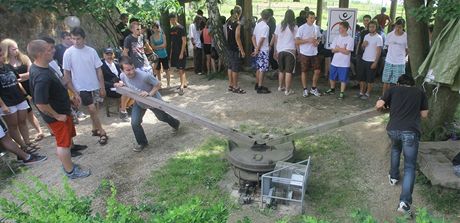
(24, 27)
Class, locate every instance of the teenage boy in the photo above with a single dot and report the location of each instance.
(408, 104)
(82, 66)
(177, 55)
(261, 51)
(307, 38)
(341, 46)
(133, 47)
(372, 46)
(148, 86)
(52, 100)
(395, 62)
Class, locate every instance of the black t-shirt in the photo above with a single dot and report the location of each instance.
(10, 92)
(405, 106)
(362, 34)
(59, 54)
(231, 38)
(123, 29)
(47, 89)
(177, 32)
(20, 70)
(135, 46)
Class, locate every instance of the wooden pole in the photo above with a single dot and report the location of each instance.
(319, 12)
(344, 3)
(394, 4)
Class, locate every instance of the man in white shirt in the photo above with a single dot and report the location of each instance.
(308, 38)
(195, 34)
(82, 66)
(341, 46)
(261, 51)
(372, 46)
(395, 62)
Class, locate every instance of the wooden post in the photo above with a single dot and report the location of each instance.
(344, 3)
(319, 12)
(394, 3)
(247, 22)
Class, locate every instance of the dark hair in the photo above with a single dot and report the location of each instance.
(156, 25)
(237, 10)
(265, 14)
(345, 24)
(131, 20)
(270, 12)
(48, 39)
(309, 13)
(400, 22)
(124, 16)
(367, 16)
(126, 61)
(374, 23)
(64, 34)
(199, 12)
(78, 31)
(197, 21)
(302, 13)
(222, 19)
(306, 9)
(406, 79)
(289, 20)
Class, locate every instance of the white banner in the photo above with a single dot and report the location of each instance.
(336, 16)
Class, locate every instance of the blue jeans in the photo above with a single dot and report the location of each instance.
(406, 142)
(136, 122)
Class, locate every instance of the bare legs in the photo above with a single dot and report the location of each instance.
(96, 122)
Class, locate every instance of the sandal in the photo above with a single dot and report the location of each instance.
(239, 91)
(230, 88)
(39, 137)
(28, 149)
(103, 139)
(33, 145)
(95, 133)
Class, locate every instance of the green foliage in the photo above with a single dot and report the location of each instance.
(445, 9)
(245, 220)
(310, 219)
(443, 200)
(149, 10)
(194, 211)
(360, 216)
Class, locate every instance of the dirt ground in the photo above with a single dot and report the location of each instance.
(127, 169)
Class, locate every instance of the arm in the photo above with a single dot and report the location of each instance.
(164, 42)
(424, 113)
(69, 85)
(5, 108)
(238, 40)
(49, 111)
(182, 51)
(378, 52)
(273, 44)
(380, 104)
(100, 78)
(259, 45)
(25, 76)
(125, 52)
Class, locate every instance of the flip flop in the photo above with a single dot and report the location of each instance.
(95, 133)
(103, 139)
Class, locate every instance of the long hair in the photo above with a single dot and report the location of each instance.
(237, 10)
(289, 20)
(5, 45)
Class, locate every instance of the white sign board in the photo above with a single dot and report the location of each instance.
(336, 16)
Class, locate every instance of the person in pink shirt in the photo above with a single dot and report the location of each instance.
(207, 41)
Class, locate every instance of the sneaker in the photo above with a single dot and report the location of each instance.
(358, 95)
(364, 97)
(176, 125)
(75, 153)
(288, 92)
(139, 148)
(77, 172)
(341, 96)
(315, 92)
(256, 87)
(263, 90)
(404, 208)
(80, 114)
(330, 91)
(124, 116)
(305, 93)
(77, 147)
(75, 119)
(33, 159)
(181, 91)
(281, 89)
(392, 181)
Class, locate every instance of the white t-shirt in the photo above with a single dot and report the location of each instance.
(82, 63)
(112, 67)
(370, 51)
(285, 40)
(308, 31)
(195, 34)
(261, 31)
(397, 46)
(340, 59)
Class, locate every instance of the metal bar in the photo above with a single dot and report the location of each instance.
(282, 198)
(174, 110)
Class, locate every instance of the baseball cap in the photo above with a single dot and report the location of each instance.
(108, 50)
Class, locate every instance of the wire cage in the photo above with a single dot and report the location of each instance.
(287, 183)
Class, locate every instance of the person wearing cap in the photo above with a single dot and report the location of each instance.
(177, 55)
(111, 71)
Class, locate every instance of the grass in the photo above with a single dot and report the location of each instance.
(443, 200)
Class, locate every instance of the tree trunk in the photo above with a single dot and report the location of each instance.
(246, 31)
(216, 28)
(166, 26)
(394, 4)
(319, 12)
(344, 3)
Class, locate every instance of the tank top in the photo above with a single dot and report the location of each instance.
(161, 52)
(231, 30)
(20, 70)
(207, 39)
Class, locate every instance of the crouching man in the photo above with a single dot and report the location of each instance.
(148, 86)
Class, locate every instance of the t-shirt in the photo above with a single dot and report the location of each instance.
(177, 32)
(142, 81)
(135, 46)
(59, 54)
(82, 63)
(362, 34)
(262, 31)
(340, 59)
(54, 67)
(285, 40)
(308, 31)
(10, 92)
(207, 38)
(405, 106)
(382, 19)
(195, 34)
(371, 49)
(397, 46)
(122, 28)
(231, 38)
(47, 89)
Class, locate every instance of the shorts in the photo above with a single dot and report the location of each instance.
(63, 132)
(309, 61)
(214, 54)
(339, 73)
(90, 97)
(176, 62)
(286, 62)
(365, 73)
(392, 72)
(262, 62)
(19, 107)
(3, 129)
(235, 61)
(164, 62)
(207, 49)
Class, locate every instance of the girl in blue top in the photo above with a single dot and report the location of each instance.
(159, 46)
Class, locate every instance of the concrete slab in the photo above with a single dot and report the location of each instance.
(435, 160)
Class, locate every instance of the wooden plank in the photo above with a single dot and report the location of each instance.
(171, 109)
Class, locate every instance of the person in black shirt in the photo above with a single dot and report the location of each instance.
(177, 55)
(272, 25)
(52, 100)
(408, 105)
(66, 42)
(302, 18)
(123, 29)
(236, 50)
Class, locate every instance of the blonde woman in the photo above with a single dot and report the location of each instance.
(20, 64)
